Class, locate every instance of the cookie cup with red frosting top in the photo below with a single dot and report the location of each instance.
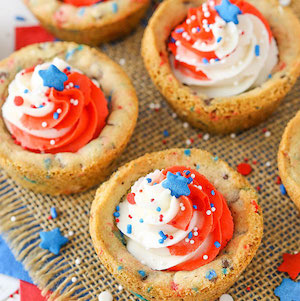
(215, 111)
(82, 158)
(88, 21)
(199, 281)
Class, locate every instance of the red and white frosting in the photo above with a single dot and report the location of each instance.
(219, 57)
(44, 119)
(174, 219)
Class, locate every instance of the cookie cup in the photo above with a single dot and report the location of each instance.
(181, 285)
(289, 160)
(222, 114)
(65, 173)
(92, 25)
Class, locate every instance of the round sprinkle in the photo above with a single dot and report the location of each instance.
(105, 296)
(244, 169)
(74, 279)
(268, 164)
(52, 142)
(158, 209)
(18, 100)
(13, 218)
(232, 135)
(141, 220)
(208, 212)
(192, 241)
(59, 111)
(205, 257)
(77, 261)
(122, 61)
(213, 209)
(226, 297)
(55, 115)
(267, 134)
(185, 125)
(71, 233)
(187, 240)
(196, 233)
(120, 287)
(206, 137)
(44, 124)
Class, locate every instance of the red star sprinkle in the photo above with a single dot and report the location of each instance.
(244, 169)
(291, 265)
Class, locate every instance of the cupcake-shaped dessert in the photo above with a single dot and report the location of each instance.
(289, 160)
(88, 21)
(68, 111)
(176, 225)
(223, 65)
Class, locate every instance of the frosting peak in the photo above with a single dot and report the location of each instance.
(54, 108)
(174, 219)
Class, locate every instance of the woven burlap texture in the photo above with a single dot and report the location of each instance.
(86, 280)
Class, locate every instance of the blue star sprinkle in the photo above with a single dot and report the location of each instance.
(53, 78)
(52, 241)
(228, 11)
(288, 290)
(177, 184)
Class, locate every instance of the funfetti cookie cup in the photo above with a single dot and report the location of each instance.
(208, 281)
(220, 114)
(103, 21)
(63, 170)
(288, 159)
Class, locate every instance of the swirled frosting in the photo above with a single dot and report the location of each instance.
(223, 48)
(174, 219)
(82, 2)
(54, 108)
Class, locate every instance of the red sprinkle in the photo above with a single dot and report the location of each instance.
(164, 141)
(246, 159)
(117, 220)
(248, 288)
(253, 202)
(18, 100)
(171, 237)
(130, 198)
(129, 216)
(141, 190)
(254, 162)
(152, 200)
(258, 188)
(49, 217)
(278, 180)
(244, 169)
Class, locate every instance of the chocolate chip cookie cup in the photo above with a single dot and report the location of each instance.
(68, 112)
(288, 160)
(222, 65)
(88, 21)
(176, 225)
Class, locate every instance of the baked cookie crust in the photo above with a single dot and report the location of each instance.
(222, 114)
(289, 159)
(182, 285)
(92, 25)
(65, 173)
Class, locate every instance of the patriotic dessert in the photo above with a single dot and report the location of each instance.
(63, 109)
(176, 225)
(223, 65)
(289, 161)
(88, 21)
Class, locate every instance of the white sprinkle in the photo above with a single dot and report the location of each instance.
(67, 87)
(177, 43)
(74, 279)
(180, 204)
(188, 142)
(205, 257)
(174, 115)
(204, 21)
(193, 176)
(188, 21)
(200, 187)
(151, 105)
(226, 297)
(187, 240)
(195, 228)
(184, 34)
(194, 30)
(212, 61)
(77, 261)
(206, 137)
(268, 163)
(232, 135)
(185, 125)
(71, 233)
(71, 85)
(213, 209)
(182, 208)
(120, 287)
(157, 106)
(13, 218)
(59, 111)
(75, 103)
(193, 17)
(207, 29)
(208, 212)
(285, 2)
(44, 124)
(105, 296)
(192, 241)
(267, 134)
(52, 142)
(196, 233)
(177, 57)
(207, 14)
(122, 61)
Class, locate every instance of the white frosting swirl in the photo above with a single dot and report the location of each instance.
(240, 66)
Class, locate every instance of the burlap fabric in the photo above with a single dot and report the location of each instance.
(86, 280)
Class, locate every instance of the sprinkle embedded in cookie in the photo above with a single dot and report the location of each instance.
(175, 219)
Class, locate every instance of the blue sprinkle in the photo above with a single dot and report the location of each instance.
(116, 214)
(212, 192)
(217, 60)
(179, 30)
(162, 234)
(141, 220)
(216, 158)
(257, 50)
(212, 205)
(197, 167)
(166, 133)
(114, 7)
(53, 212)
(129, 229)
(219, 39)
(205, 61)
(190, 180)
(282, 189)
(20, 18)
(161, 241)
(26, 91)
(76, 86)
(72, 51)
(187, 152)
(211, 274)
(270, 75)
(198, 28)
(149, 180)
(55, 115)
(40, 106)
(68, 68)
(142, 273)
(158, 209)
(217, 244)
(120, 268)
(195, 207)
(173, 40)
(81, 11)
(118, 208)
(190, 235)
(187, 172)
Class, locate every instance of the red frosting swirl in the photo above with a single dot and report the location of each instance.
(82, 2)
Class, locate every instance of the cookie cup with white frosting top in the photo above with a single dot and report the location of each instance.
(206, 282)
(232, 103)
(92, 24)
(29, 156)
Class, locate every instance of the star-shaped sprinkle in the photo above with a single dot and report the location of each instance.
(53, 78)
(291, 265)
(228, 11)
(288, 290)
(52, 240)
(177, 184)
